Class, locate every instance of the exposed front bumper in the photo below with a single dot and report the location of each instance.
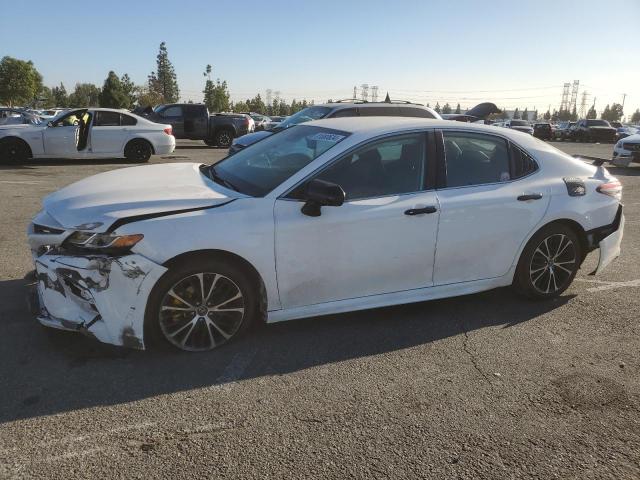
(104, 297)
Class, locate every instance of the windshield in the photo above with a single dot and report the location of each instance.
(519, 123)
(259, 168)
(597, 123)
(305, 115)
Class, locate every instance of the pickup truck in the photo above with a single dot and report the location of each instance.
(194, 122)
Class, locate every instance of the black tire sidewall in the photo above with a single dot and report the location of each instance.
(132, 145)
(154, 338)
(6, 145)
(522, 281)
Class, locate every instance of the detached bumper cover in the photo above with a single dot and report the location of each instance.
(608, 239)
(104, 297)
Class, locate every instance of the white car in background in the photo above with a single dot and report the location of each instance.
(627, 150)
(86, 133)
(324, 217)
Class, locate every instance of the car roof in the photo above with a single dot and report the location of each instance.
(375, 126)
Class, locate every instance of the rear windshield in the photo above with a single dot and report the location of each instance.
(305, 115)
(519, 123)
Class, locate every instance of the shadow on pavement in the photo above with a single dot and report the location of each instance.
(45, 372)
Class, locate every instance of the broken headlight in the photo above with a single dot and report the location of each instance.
(102, 241)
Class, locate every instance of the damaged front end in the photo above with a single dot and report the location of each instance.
(102, 295)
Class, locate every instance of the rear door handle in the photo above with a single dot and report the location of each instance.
(420, 211)
(530, 196)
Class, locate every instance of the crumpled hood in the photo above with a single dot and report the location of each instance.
(127, 192)
(250, 138)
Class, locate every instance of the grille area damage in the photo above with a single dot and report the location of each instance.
(102, 296)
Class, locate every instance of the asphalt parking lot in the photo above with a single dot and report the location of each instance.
(486, 386)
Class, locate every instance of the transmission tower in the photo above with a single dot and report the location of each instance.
(374, 93)
(564, 103)
(364, 92)
(268, 97)
(355, 92)
(583, 104)
(574, 95)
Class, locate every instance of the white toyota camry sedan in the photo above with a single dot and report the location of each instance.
(326, 217)
(86, 133)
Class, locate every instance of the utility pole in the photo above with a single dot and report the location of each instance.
(268, 97)
(355, 92)
(564, 103)
(374, 93)
(574, 95)
(365, 92)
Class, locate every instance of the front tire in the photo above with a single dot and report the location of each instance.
(138, 151)
(13, 151)
(549, 263)
(201, 305)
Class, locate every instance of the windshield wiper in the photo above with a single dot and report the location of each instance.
(218, 179)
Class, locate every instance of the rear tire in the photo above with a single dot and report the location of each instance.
(138, 151)
(224, 138)
(201, 304)
(13, 151)
(549, 263)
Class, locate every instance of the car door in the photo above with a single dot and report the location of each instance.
(196, 121)
(107, 133)
(174, 116)
(60, 138)
(381, 240)
(490, 201)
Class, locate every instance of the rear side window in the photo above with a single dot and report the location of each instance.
(415, 112)
(475, 159)
(523, 164)
(345, 112)
(107, 119)
(127, 120)
(174, 111)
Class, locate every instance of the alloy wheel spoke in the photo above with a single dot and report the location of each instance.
(540, 252)
(213, 286)
(177, 309)
(189, 323)
(564, 268)
(220, 331)
(179, 298)
(235, 297)
(211, 339)
(564, 263)
(534, 281)
(188, 335)
(553, 276)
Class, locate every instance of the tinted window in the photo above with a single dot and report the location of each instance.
(193, 111)
(597, 123)
(475, 159)
(519, 123)
(107, 119)
(523, 164)
(345, 112)
(387, 167)
(127, 119)
(259, 168)
(378, 111)
(305, 115)
(174, 111)
(415, 112)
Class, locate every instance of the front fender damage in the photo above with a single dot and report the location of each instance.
(104, 297)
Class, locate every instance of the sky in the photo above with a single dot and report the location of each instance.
(514, 53)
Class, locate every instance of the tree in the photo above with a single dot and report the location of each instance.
(612, 114)
(216, 95)
(547, 115)
(525, 114)
(446, 108)
(257, 105)
(85, 95)
(592, 112)
(535, 115)
(437, 107)
(147, 98)
(20, 82)
(606, 113)
(457, 109)
(130, 89)
(635, 118)
(60, 96)
(113, 95)
(163, 80)
(516, 114)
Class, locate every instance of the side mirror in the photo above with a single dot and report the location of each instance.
(49, 124)
(319, 193)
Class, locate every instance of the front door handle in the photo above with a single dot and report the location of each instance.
(420, 211)
(530, 196)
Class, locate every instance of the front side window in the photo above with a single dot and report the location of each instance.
(387, 167)
(597, 123)
(475, 159)
(259, 168)
(174, 111)
(107, 119)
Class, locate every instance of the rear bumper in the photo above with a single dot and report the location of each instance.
(100, 296)
(608, 239)
(166, 148)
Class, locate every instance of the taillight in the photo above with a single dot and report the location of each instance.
(612, 188)
(168, 131)
(246, 121)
